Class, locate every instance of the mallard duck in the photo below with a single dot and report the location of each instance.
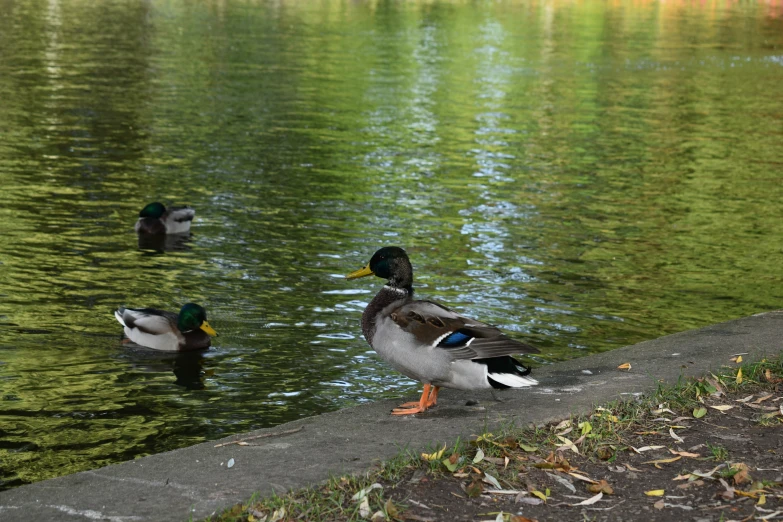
(432, 344)
(166, 331)
(157, 219)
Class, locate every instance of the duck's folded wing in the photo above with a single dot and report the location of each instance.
(181, 214)
(147, 320)
(463, 338)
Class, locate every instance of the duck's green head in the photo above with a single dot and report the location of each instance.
(153, 210)
(194, 317)
(390, 263)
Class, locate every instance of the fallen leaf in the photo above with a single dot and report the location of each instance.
(631, 468)
(566, 431)
(563, 482)
(655, 493)
(746, 399)
(662, 461)
(675, 436)
(602, 487)
(391, 509)
(452, 462)
(604, 453)
(739, 376)
(278, 515)
(529, 449)
(475, 489)
(646, 448)
(659, 504)
(364, 507)
(538, 494)
(688, 485)
(762, 500)
(583, 478)
(520, 518)
(764, 398)
(567, 444)
(489, 479)
(590, 501)
(434, 456)
(684, 454)
(529, 501)
(722, 408)
(742, 475)
(699, 412)
(363, 493)
(737, 359)
(479, 456)
(378, 516)
(563, 425)
(624, 366)
(586, 427)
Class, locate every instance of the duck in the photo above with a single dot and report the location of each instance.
(167, 331)
(432, 344)
(155, 219)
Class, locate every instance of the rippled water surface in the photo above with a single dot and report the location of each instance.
(586, 175)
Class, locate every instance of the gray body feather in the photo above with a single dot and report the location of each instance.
(410, 335)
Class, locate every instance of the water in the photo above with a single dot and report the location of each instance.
(585, 175)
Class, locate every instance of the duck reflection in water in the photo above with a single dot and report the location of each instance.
(160, 243)
(188, 367)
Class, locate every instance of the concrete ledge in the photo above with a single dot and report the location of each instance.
(195, 482)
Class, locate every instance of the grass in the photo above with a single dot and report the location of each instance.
(600, 435)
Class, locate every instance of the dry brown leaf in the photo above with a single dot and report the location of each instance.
(631, 468)
(659, 504)
(764, 398)
(675, 436)
(520, 518)
(662, 461)
(624, 366)
(723, 408)
(742, 475)
(688, 485)
(583, 478)
(602, 487)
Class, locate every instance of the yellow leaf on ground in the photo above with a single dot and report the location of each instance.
(762, 500)
(723, 408)
(538, 494)
(624, 366)
(655, 493)
(739, 376)
(434, 456)
(662, 461)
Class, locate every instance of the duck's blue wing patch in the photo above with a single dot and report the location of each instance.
(455, 339)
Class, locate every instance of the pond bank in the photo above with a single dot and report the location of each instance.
(196, 481)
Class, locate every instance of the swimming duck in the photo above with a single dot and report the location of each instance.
(432, 344)
(166, 331)
(155, 218)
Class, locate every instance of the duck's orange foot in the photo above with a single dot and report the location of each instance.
(408, 411)
(429, 397)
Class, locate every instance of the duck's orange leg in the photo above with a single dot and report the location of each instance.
(429, 397)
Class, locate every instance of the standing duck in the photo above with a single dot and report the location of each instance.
(432, 344)
(156, 219)
(166, 331)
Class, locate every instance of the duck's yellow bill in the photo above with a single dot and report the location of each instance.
(362, 272)
(208, 329)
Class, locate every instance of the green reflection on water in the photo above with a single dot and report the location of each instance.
(585, 176)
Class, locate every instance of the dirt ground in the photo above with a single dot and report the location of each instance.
(727, 465)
